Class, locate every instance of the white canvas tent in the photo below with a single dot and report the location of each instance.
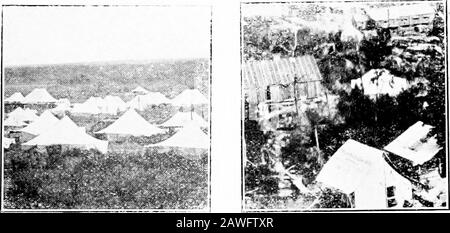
(138, 102)
(189, 97)
(139, 90)
(181, 119)
(39, 96)
(131, 123)
(14, 122)
(414, 144)
(67, 133)
(190, 136)
(361, 169)
(45, 121)
(6, 142)
(15, 98)
(380, 81)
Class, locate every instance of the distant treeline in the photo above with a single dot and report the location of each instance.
(80, 81)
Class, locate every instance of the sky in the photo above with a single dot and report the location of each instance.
(56, 35)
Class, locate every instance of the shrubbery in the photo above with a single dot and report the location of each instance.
(88, 179)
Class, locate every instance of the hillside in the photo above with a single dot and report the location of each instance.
(80, 81)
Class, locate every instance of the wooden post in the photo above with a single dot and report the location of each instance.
(317, 138)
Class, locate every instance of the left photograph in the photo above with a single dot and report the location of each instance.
(106, 107)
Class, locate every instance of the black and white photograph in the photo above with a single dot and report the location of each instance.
(106, 107)
(344, 106)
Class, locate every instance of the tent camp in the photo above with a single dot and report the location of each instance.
(39, 96)
(380, 81)
(190, 138)
(67, 133)
(139, 91)
(131, 123)
(189, 97)
(181, 119)
(415, 144)
(361, 170)
(45, 121)
(15, 98)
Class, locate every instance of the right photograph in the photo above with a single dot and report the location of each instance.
(344, 106)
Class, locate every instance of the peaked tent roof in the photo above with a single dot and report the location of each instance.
(189, 97)
(15, 122)
(39, 95)
(183, 118)
(66, 132)
(414, 144)
(190, 136)
(20, 114)
(112, 105)
(138, 102)
(15, 98)
(131, 123)
(139, 90)
(46, 121)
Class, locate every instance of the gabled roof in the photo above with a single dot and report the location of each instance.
(66, 132)
(189, 97)
(39, 95)
(131, 123)
(349, 165)
(414, 144)
(257, 75)
(190, 136)
(45, 121)
(15, 98)
(181, 119)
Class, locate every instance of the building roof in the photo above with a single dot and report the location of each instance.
(131, 123)
(396, 12)
(15, 98)
(181, 119)
(257, 75)
(38, 96)
(415, 144)
(190, 136)
(349, 165)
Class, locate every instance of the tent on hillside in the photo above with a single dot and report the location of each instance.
(380, 81)
(39, 96)
(139, 91)
(15, 98)
(360, 170)
(181, 119)
(131, 123)
(45, 121)
(14, 122)
(190, 138)
(67, 133)
(415, 144)
(189, 97)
